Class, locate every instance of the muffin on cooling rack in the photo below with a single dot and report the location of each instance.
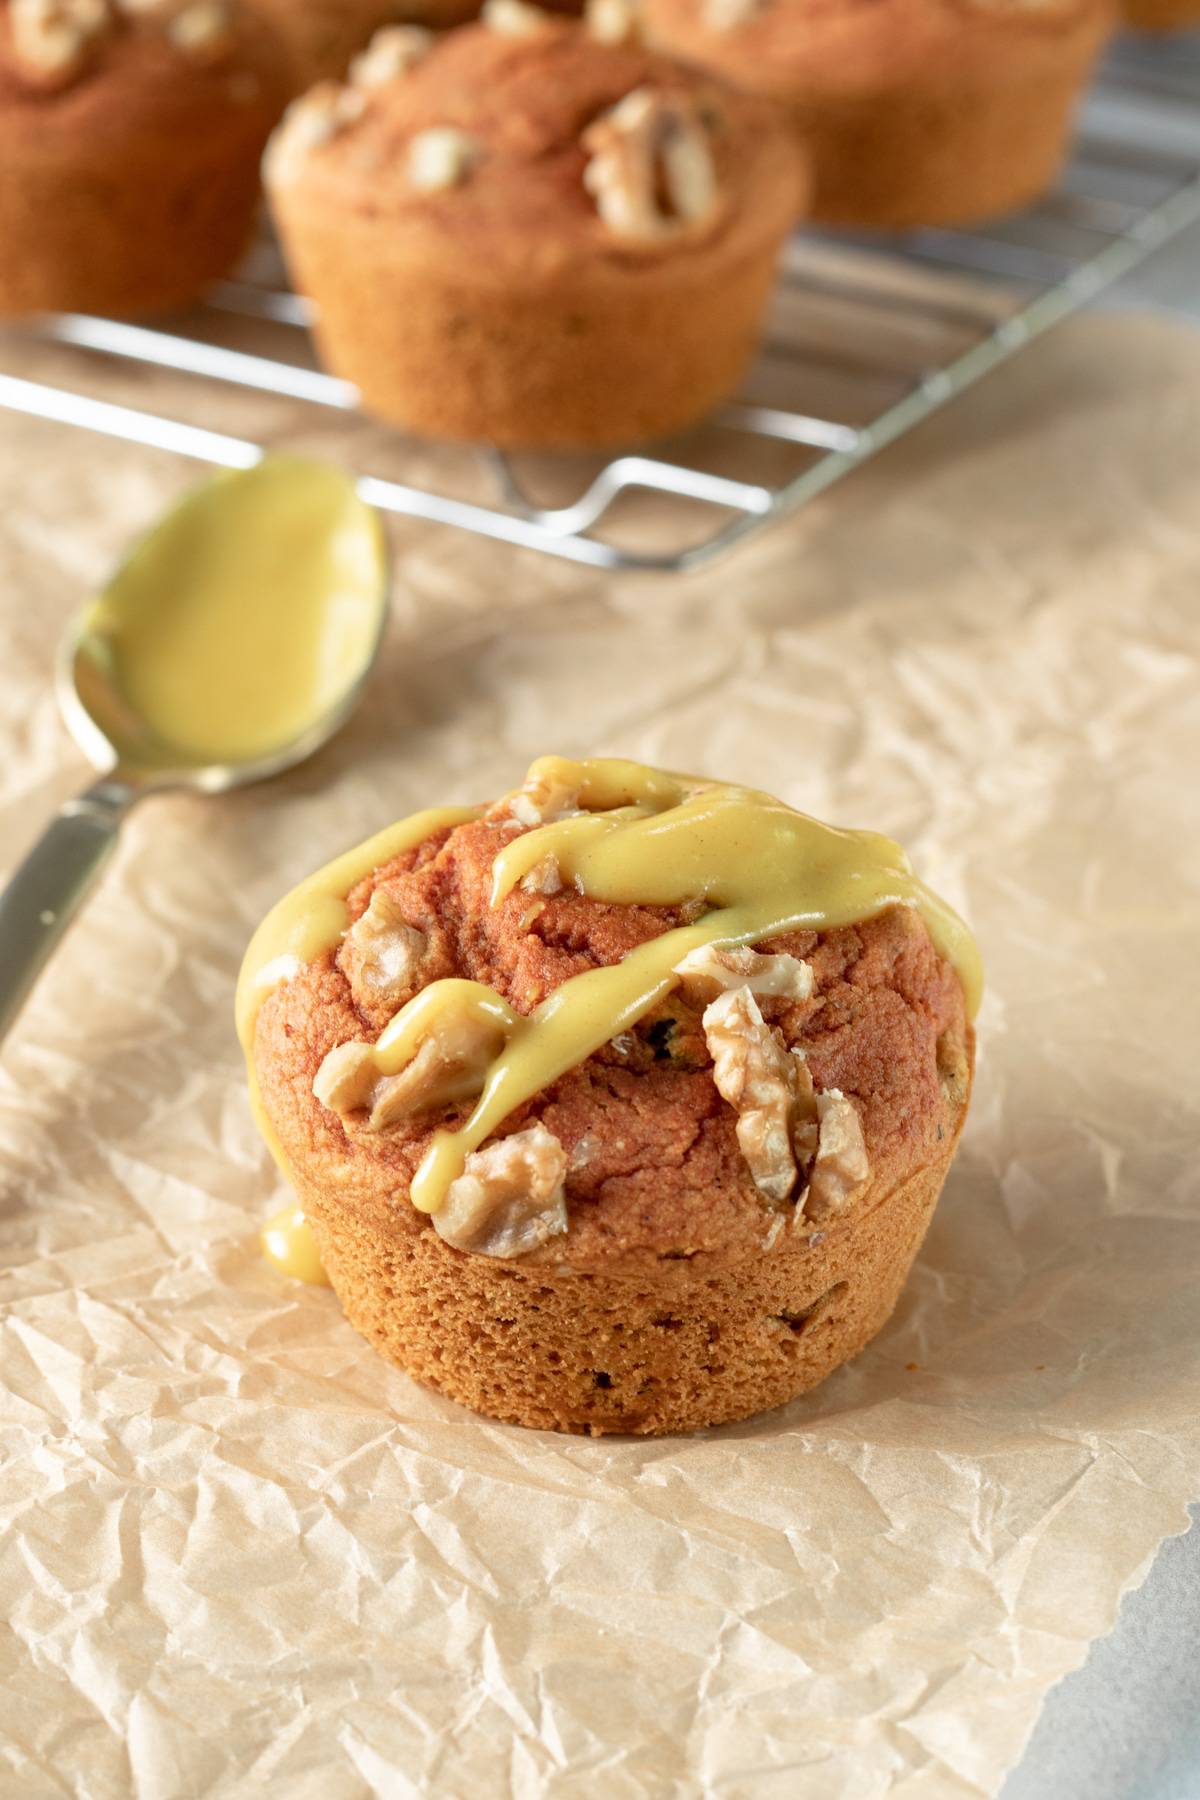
(591, 1134)
(917, 112)
(321, 37)
(1161, 15)
(129, 145)
(519, 234)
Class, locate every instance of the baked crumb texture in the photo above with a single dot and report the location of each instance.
(682, 1293)
(534, 237)
(130, 139)
(916, 112)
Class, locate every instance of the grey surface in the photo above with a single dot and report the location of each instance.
(1126, 1726)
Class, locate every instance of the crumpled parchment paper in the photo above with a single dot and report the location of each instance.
(240, 1554)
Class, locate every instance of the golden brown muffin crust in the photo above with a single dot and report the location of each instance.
(133, 80)
(527, 101)
(321, 36)
(656, 1172)
(851, 48)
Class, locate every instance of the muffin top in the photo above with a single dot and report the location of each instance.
(80, 69)
(321, 36)
(852, 49)
(484, 1033)
(527, 142)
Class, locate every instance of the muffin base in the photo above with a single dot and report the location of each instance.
(567, 364)
(131, 231)
(939, 158)
(670, 1346)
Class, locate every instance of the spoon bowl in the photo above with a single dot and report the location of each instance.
(231, 643)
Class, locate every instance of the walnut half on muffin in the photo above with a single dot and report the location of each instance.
(130, 137)
(621, 1105)
(522, 235)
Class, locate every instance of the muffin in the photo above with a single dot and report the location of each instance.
(917, 112)
(130, 137)
(591, 1133)
(523, 235)
(1161, 15)
(322, 36)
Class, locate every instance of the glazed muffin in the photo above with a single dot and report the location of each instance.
(129, 144)
(586, 1138)
(321, 37)
(522, 235)
(917, 112)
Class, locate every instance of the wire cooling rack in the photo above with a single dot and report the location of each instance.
(867, 337)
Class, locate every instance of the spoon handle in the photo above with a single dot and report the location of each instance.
(47, 889)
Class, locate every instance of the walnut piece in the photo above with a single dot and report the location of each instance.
(201, 29)
(545, 877)
(757, 1076)
(541, 801)
(509, 1199)
(806, 1125)
(441, 158)
(514, 18)
(383, 954)
(449, 1065)
(707, 971)
(650, 169)
(611, 21)
(841, 1168)
(347, 1079)
(51, 38)
(390, 54)
(727, 15)
(309, 122)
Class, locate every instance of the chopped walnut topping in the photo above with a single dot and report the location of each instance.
(545, 877)
(449, 1065)
(390, 54)
(773, 1231)
(727, 15)
(541, 801)
(611, 21)
(806, 1125)
(757, 1076)
(841, 1168)
(585, 1149)
(383, 954)
(650, 168)
(784, 1126)
(509, 1199)
(514, 18)
(310, 122)
(51, 38)
(347, 1079)
(201, 29)
(441, 158)
(707, 971)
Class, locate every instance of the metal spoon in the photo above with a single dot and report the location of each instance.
(291, 524)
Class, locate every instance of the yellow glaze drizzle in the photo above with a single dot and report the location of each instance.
(312, 919)
(243, 619)
(288, 1242)
(632, 836)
